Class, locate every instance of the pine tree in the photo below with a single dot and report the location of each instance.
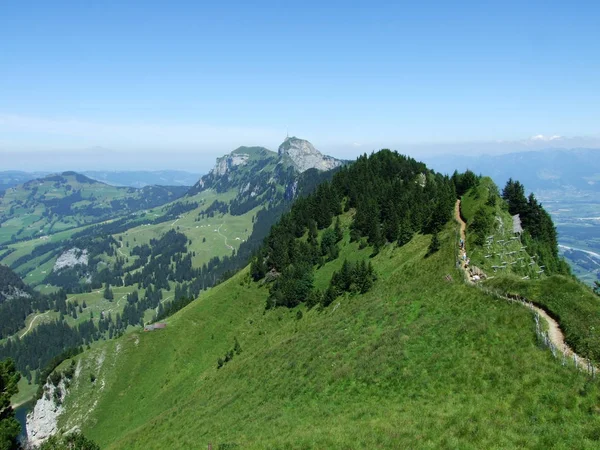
(434, 246)
(406, 232)
(108, 294)
(339, 234)
(9, 426)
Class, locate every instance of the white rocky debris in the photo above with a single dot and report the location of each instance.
(71, 258)
(305, 156)
(225, 163)
(42, 422)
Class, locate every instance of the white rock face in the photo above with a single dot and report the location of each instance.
(71, 258)
(305, 156)
(42, 422)
(225, 163)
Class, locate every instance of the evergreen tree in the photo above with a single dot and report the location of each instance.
(339, 234)
(108, 294)
(258, 268)
(406, 232)
(9, 426)
(434, 246)
(514, 194)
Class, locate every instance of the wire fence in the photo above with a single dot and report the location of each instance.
(565, 354)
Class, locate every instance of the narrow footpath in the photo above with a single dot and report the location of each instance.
(224, 237)
(554, 334)
(31, 323)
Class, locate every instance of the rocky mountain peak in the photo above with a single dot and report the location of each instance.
(304, 155)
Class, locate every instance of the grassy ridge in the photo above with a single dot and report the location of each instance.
(416, 362)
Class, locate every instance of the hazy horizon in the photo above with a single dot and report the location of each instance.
(174, 86)
(104, 159)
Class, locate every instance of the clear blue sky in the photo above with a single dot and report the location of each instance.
(205, 77)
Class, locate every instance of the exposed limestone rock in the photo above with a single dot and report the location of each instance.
(71, 258)
(225, 163)
(42, 422)
(304, 155)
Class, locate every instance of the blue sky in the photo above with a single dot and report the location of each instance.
(199, 78)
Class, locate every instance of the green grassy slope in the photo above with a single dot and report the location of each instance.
(61, 202)
(417, 362)
(211, 237)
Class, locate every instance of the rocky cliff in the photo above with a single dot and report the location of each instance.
(227, 162)
(42, 422)
(303, 155)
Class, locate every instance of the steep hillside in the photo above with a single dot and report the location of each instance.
(418, 361)
(47, 205)
(109, 278)
(358, 332)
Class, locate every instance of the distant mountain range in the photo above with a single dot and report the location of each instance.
(143, 178)
(10, 178)
(126, 178)
(538, 170)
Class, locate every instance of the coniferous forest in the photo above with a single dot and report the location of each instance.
(392, 196)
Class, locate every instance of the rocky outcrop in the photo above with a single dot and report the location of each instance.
(71, 258)
(42, 422)
(227, 162)
(303, 155)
